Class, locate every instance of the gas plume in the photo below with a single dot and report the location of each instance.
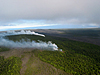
(21, 32)
(26, 44)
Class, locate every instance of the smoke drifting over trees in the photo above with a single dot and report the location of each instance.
(26, 44)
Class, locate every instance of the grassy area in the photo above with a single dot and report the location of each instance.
(70, 62)
(31, 68)
(10, 66)
(76, 58)
(2, 49)
(37, 67)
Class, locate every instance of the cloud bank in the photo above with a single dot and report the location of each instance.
(61, 12)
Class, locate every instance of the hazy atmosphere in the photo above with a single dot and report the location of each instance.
(49, 37)
(19, 14)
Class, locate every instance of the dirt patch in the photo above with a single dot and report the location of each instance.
(15, 52)
(32, 65)
(24, 62)
(36, 67)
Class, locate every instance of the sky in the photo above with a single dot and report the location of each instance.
(49, 14)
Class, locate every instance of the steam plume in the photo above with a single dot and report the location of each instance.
(26, 44)
(21, 32)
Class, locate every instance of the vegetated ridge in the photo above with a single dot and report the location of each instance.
(76, 58)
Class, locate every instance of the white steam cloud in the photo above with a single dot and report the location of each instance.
(26, 44)
(21, 32)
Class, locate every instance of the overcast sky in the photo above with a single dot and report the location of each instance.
(40, 13)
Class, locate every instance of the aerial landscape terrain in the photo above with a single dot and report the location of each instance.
(77, 56)
(49, 37)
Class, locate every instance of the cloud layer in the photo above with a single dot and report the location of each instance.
(50, 11)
